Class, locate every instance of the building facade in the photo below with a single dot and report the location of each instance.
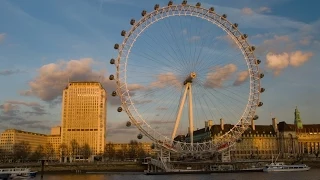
(13, 136)
(84, 115)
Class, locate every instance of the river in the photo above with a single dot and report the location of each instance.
(313, 174)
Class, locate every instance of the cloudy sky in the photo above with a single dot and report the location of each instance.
(44, 44)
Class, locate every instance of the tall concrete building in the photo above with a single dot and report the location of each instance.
(84, 115)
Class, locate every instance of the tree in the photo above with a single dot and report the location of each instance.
(21, 151)
(38, 153)
(86, 151)
(63, 150)
(74, 148)
(4, 155)
(133, 149)
(109, 151)
(49, 151)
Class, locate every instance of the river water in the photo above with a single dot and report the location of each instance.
(313, 174)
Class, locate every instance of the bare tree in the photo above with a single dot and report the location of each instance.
(109, 151)
(21, 151)
(38, 153)
(86, 151)
(74, 148)
(49, 151)
(133, 149)
(63, 150)
(4, 156)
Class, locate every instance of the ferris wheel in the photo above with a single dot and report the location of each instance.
(180, 66)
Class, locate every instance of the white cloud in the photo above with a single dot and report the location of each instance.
(247, 11)
(278, 62)
(53, 78)
(241, 78)
(298, 58)
(166, 79)
(216, 78)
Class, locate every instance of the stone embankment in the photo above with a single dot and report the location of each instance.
(81, 167)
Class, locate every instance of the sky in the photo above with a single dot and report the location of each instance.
(45, 44)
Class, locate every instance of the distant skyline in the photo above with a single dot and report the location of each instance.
(45, 44)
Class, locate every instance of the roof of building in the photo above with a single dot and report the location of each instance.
(283, 126)
(261, 129)
(21, 131)
(310, 128)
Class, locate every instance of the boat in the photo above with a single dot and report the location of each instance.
(16, 173)
(281, 167)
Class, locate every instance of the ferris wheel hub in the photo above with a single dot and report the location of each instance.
(191, 76)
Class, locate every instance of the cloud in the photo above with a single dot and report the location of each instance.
(277, 44)
(9, 72)
(12, 108)
(264, 10)
(31, 124)
(2, 37)
(216, 78)
(278, 62)
(298, 58)
(241, 78)
(52, 78)
(166, 79)
(247, 11)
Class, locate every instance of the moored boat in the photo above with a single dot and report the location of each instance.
(281, 167)
(16, 173)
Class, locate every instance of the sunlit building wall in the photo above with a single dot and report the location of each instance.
(12, 136)
(84, 115)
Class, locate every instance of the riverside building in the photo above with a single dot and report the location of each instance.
(84, 115)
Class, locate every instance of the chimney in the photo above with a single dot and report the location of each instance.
(252, 124)
(208, 124)
(274, 124)
(222, 124)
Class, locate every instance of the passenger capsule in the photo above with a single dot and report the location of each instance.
(258, 61)
(156, 7)
(260, 104)
(244, 36)
(111, 77)
(235, 25)
(170, 3)
(224, 16)
(139, 136)
(252, 48)
(128, 124)
(114, 93)
(132, 21)
(261, 75)
(262, 90)
(112, 61)
(255, 117)
(123, 33)
(198, 5)
(143, 13)
(184, 2)
(116, 46)
(211, 9)
(119, 109)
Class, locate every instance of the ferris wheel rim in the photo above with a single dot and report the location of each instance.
(212, 17)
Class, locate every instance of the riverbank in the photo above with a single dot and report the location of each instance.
(81, 167)
(52, 168)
